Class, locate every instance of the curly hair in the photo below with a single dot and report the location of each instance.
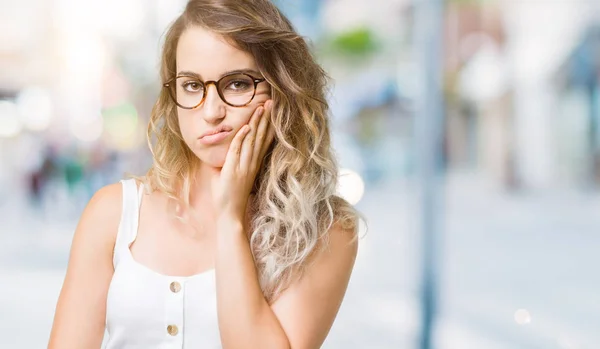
(295, 202)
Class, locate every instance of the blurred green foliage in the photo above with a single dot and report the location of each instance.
(356, 42)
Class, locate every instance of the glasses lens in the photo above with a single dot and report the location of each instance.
(237, 89)
(188, 91)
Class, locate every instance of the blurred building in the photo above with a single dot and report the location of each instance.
(578, 88)
(505, 109)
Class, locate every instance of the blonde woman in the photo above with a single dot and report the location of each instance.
(234, 238)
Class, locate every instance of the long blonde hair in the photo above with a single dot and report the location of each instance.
(294, 203)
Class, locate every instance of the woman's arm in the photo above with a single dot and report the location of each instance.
(245, 319)
(302, 315)
(80, 316)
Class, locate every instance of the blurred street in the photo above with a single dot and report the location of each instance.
(500, 98)
(501, 253)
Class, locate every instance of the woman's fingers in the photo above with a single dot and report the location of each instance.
(261, 133)
(235, 148)
(248, 144)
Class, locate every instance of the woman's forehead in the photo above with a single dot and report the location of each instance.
(209, 55)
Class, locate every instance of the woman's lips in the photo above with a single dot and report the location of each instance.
(214, 138)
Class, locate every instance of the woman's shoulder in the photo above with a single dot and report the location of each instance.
(105, 206)
(107, 200)
(98, 225)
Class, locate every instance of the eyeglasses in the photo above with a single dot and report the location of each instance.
(235, 89)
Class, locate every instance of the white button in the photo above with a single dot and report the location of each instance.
(173, 330)
(175, 287)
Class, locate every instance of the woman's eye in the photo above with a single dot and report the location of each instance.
(192, 86)
(238, 85)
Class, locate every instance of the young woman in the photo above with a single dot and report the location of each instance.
(234, 238)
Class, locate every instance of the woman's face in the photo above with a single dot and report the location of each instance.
(210, 57)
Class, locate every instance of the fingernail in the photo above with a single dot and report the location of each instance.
(261, 110)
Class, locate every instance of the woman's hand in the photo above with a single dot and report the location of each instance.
(231, 189)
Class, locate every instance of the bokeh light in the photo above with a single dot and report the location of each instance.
(10, 125)
(87, 130)
(350, 186)
(121, 125)
(35, 108)
(522, 317)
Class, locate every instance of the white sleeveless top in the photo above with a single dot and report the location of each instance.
(146, 309)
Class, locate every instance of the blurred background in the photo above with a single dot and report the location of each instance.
(511, 256)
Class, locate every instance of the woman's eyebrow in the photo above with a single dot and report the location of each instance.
(252, 72)
(241, 71)
(188, 73)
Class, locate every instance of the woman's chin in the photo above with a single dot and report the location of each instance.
(214, 159)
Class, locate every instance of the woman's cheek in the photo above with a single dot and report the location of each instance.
(187, 135)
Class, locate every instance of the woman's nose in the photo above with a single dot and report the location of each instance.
(213, 108)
